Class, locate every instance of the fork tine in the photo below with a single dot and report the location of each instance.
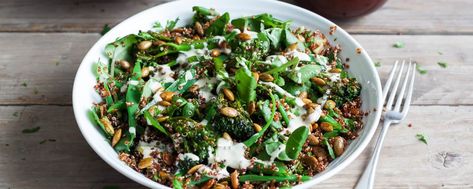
(401, 95)
(389, 81)
(394, 89)
(407, 103)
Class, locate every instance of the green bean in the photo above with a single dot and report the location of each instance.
(283, 113)
(259, 178)
(119, 105)
(256, 136)
(155, 123)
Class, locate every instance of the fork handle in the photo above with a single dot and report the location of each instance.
(366, 180)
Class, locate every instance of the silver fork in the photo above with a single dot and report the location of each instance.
(394, 114)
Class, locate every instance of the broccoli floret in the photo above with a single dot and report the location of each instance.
(186, 161)
(192, 137)
(239, 127)
(342, 92)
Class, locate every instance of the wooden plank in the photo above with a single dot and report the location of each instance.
(405, 162)
(47, 64)
(396, 16)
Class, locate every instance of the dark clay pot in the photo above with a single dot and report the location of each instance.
(341, 9)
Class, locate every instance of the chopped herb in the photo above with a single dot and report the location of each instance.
(105, 29)
(15, 114)
(398, 45)
(24, 84)
(422, 138)
(47, 140)
(31, 130)
(57, 63)
(440, 53)
(171, 24)
(442, 64)
(157, 25)
(35, 91)
(377, 64)
(420, 70)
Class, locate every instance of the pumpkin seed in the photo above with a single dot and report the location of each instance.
(257, 127)
(198, 28)
(251, 107)
(234, 179)
(227, 136)
(330, 104)
(108, 125)
(116, 137)
(164, 103)
(229, 112)
(145, 163)
(229, 94)
(244, 36)
(326, 126)
(339, 145)
(215, 53)
(208, 184)
(124, 64)
(144, 45)
(266, 77)
(318, 81)
(194, 169)
(145, 72)
(167, 96)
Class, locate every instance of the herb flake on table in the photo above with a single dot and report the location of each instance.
(398, 44)
(421, 70)
(442, 64)
(15, 114)
(105, 29)
(47, 140)
(31, 130)
(422, 138)
(377, 64)
(24, 84)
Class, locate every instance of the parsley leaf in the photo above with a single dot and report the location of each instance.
(420, 70)
(422, 138)
(157, 25)
(105, 29)
(377, 64)
(442, 64)
(398, 44)
(15, 114)
(170, 24)
(31, 130)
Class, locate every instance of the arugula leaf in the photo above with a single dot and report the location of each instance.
(183, 82)
(202, 14)
(283, 67)
(155, 123)
(329, 148)
(220, 67)
(120, 50)
(258, 22)
(304, 73)
(105, 29)
(290, 38)
(442, 64)
(296, 141)
(422, 138)
(218, 27)
(246, 84)
(421, 70)
(398, 44)
(274, 35)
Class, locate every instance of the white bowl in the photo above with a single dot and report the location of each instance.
(361, 67)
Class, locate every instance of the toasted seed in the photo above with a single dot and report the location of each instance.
(193, 88)
(219, 186)
(315, 126)
(256, 76)
(164, 103)
(318, 81)
(251, 107)
(215, 53)
(229, 94)
(229, 112)
(311, 161)
(307, 101)
(266, 77)
(339, 145)
(164, 176)
(194, 169)
(345, 80)
(335, 70)
(326, 126)
(208, 184)
(313, 140)
(234, 179)
(167, 96)
(145, 72)
(124, 64)
(244, 36)
(226, 136)
(198, 28)
(257, 127)
(145, 163)
(167, 158)
(116, 137)
(330, 104)
(158, 43)
(178, 40)
(162, 118)
(292, 46)
(144, 45)
(107, 125)
(303, 94)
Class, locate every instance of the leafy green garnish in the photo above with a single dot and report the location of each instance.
(170, 24)
(329, 148)
(246, 84)
(24, 84)
(157, 25)
(31, 130)
(377, 64)
(296, 141)
(442, 64)
(218, 27)
(420, 70)
(398, 44)
(15, 114)
(304, 73)
(422, 138)
(105, 29)
(155, 123)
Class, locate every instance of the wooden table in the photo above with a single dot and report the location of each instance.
(43, 42)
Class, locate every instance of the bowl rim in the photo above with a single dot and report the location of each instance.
(137, 177)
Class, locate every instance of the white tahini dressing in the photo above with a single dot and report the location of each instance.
(184, 55)
(190, 156)
(205, 87)
(302, 56)
(230, 154)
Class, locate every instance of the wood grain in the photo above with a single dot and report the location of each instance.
(46, 63)
(405, 162)
(396, 16)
